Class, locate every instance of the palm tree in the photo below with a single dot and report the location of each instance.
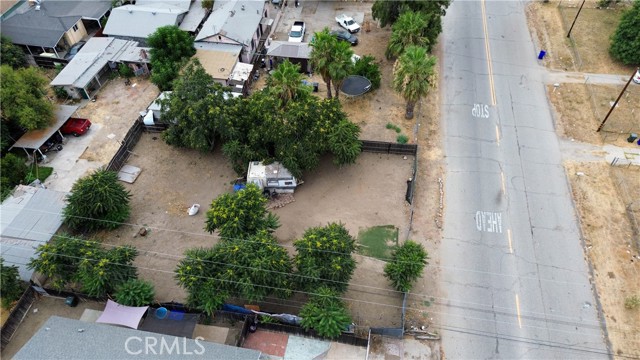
(323, 47)
(286, 82)
(408, 30)
(341, 65)
(414, 76)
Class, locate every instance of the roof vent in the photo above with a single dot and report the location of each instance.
(242, 7)
(232, 12)
(153, 12)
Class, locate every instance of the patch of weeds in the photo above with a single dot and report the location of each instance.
(394, 127)
(402, 139)
(632, 302)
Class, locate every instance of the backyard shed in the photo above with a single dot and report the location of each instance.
(297, 53)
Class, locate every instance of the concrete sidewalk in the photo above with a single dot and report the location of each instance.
(552, 77)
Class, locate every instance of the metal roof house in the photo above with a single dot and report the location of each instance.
(242, 23)
(89, 69)
(52, 26)
(297, 53)
(137, 22)
(29, 218)
(62, 338)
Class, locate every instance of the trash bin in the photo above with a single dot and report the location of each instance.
(71, 301)
(632, 137)
(162, 313)
(541, 54)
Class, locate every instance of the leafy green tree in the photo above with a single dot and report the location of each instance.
(23, 98)
(102, 271)
(286, 82)
(625, 42)
(97, 201)
(170, 47)
(341, 65)
(296, 135)
(322, 51)
(387, 12)
(368, 68)
(252, 269)
(414, 76)
(410, 29)
(67, 260)
(135, 292)
(125, 71)
(13, 170)
(407, 263)
(325, 257)
(207, 4)
(326, 313)
(12, 55)
(196, 109)
(11, 287)
(240, 214)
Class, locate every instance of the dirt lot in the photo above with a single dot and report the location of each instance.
(608, 236)
(590, 35)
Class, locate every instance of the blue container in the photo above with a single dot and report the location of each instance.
(238, 187)
(162, 313)
(542, 54)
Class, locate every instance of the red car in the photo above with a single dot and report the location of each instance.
(75, 126)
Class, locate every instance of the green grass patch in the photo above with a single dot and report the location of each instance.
(393, 127)
(378, 241)
(41, 173)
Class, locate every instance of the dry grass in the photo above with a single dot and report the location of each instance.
(590, 35)
(625, 118)
(575, 118)
(608, 236)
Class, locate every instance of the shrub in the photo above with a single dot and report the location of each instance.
(368, 68)
(632, 302)
(326, 313)
(402, 139)
(135, 292)
(60, 92)
(13, 170)
(11, 287)
(125, 71)
(625, 42)
(97, 201)
(407, 263)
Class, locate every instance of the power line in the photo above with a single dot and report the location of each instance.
(595, 327)
(389, 292)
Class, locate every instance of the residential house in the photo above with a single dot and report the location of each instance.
(52, 26)
(137, 22)
(90, 68)
(240, 23)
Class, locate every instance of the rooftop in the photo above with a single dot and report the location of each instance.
(234, 19)
(218, 64)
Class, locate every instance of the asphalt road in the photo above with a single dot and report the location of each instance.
(514, 278)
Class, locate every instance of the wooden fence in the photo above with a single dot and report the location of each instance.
(17, 315)
(389, 148)
(126, 146)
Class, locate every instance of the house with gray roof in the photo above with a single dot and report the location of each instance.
(240, 23)
(137, 22)
(85, 74)
(52, 26)
(62, 338)
(30, 217)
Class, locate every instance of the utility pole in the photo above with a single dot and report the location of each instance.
(576, 18)
(616, 102)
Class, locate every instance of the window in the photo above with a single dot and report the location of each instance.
(75, 27)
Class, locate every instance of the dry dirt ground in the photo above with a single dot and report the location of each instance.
(551, 21)
(604, 196)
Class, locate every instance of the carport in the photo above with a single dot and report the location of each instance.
(34, 139)
(297, 53)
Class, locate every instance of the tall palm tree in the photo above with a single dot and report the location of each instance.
(286, 82)
(409, 29)
(414, 76)
(323, 47)
(341, 65)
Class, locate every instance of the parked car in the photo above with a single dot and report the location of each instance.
(75, 126)
(52, 144)
(297, 31)
(342, 35)
(74, 50)
(348, 23)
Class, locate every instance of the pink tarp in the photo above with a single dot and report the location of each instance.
(117, 314)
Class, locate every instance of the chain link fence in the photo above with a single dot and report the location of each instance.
(625, 118)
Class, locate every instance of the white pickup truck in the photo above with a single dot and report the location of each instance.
(297, 31)
(348, 23)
